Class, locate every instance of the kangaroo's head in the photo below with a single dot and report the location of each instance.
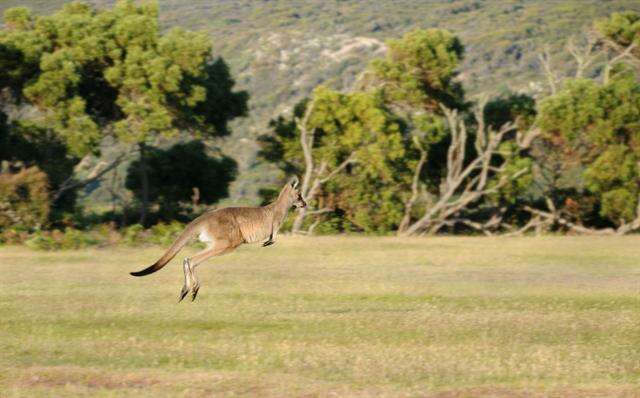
(292, 193)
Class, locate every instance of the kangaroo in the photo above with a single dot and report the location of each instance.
(223, 230)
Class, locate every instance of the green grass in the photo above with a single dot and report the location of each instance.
(335, 316)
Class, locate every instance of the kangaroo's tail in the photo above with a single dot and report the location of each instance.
(179, 243)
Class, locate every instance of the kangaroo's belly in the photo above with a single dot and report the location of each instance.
(255, 234)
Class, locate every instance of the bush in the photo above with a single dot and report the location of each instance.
(70, 239)
(99, 235)
(24, 198)
(133, 235)
(41, 240)
(76, 239)
(164, 234)
(14, 236)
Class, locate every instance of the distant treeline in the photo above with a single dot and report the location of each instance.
(405, 151)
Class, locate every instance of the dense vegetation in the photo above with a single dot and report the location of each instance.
(404, 149)
(279, 51)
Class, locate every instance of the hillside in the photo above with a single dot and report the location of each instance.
(279, 50)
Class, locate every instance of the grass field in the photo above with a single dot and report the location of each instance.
(335, 316)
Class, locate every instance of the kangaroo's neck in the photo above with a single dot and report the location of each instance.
(279, 209)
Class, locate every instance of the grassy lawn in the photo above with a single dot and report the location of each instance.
(335, 316)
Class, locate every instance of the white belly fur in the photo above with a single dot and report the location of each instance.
(205, 238)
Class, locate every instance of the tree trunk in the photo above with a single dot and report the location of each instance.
(144, 178)
(297, 222)
(406, 219)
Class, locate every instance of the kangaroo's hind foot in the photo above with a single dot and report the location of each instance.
(194, 291)
(187, 279)
(195, 285)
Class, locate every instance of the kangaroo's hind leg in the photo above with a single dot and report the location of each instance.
(187, 279)
(219, 248)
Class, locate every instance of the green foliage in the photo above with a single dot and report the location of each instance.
(599, 126)
(115, 71)
(100, 235)
(42, 240)
(69, 239)
(164, 234)
(160, 234)
(515, 189)
(346, 125)
(388, 129)
(24, 198)
(510, 107)
(519, 109)
(356, 123)
(420, 68)
(112, 70)
(368, 203)
(74, 239)
(31, 145)
(133, 235)
(621, 27)
(14, 235)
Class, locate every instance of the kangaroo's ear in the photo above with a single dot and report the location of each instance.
(294, 182)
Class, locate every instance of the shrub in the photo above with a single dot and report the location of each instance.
(14, 236)
(76, 239)
(107, 233)
(24, 198)
(70, 239)
(133, 235)
(164, 234)
(41, 240)
(100, 235)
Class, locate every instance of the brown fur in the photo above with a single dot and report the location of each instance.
(225, 229)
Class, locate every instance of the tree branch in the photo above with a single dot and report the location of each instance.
(408, 207)
(467, 183)
(96, 173)
(545, 61)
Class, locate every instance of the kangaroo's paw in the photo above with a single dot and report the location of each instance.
(194, 292)
(183, 293)
(268, 243)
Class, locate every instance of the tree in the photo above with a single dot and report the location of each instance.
(488, 169)
(420, 70)
(454, 163)
(24, 197)
(620, 34)
(111, 72)
(28, 145)
(586, 124)
(182, 174)
(597, 124)
(342, 145)
(399, 140)
(33, 146)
